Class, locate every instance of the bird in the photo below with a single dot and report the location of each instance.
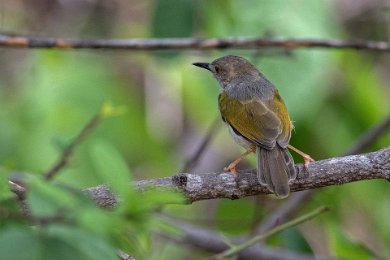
(258, 120)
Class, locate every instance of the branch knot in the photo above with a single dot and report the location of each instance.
(180, 180)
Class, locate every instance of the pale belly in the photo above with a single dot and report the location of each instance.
(239, 139)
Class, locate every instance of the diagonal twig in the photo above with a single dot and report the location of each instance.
(106, 110)
(238, 248)
(370, 136)
(284, 211)
(191, 162)
(212, 241)
(66, 154)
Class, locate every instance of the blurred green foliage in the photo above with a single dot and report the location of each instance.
(47, 96)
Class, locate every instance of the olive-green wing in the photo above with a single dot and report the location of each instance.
(252, 119)
(280, 109)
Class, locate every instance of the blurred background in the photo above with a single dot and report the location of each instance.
(333, 96)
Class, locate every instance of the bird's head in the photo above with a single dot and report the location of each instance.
(231, 70)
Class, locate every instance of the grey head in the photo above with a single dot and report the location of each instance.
(238, 77)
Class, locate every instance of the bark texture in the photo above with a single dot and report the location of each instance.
(204, 186)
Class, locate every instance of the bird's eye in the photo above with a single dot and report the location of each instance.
(217, 69)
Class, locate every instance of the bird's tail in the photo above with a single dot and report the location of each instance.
(275, 168)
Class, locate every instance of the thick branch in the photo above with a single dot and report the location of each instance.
(19, 41)
(334, 171)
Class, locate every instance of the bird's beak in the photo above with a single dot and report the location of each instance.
(202, 65)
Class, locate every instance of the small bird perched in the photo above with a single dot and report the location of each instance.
(258, 120)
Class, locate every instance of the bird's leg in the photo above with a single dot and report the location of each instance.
(232, 166)
(306, 158)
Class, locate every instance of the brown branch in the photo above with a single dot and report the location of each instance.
(334, 171)
(19, 188)
(21, 41)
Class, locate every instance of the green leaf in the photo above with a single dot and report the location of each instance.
(46, 198)
(292, 239)
(235, 221)
(19, 243)
(111, 168)
(344, 248)
(55, 248)
(88, 245)
(99, 221)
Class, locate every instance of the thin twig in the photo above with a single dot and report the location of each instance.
(67, 153)
(238, 248)
(370, 136)
(18, 187)
(105, 111)
(22, 41)
(283, 211)
(194, 159)
(214, 242)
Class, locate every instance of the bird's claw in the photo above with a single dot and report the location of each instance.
(232, 170)
(307, 160)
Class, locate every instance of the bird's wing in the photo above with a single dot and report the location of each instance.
(252, 119)
(280, 108)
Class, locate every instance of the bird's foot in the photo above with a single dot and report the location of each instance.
(232, 170)
(306, 158)
(232, 166)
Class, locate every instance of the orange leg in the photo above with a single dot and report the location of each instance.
(232, 166)
(306, 158)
